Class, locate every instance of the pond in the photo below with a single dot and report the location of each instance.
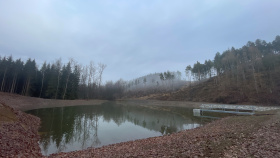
(66, 129)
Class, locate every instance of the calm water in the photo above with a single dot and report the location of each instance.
(79, 127)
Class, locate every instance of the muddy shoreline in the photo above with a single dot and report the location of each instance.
(24, 103)
(240, 136)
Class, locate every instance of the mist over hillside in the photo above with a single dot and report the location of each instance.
(154, 83)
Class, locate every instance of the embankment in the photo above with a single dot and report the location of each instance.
(238, 136)
(24, 103)
(222, 92)
(18, 133)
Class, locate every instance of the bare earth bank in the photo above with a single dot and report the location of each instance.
(240, 136)
(24, 103)
(18, 133)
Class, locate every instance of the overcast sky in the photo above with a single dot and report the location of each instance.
(133, 37)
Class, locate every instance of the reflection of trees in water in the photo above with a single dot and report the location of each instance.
(167, 130)
(111, 111)
(96, 140)
(156, 118)
(61, 145)
(62, 126)
(144, 123)
(86, 130)
(45, 143)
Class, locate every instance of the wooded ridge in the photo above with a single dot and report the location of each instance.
(247, 74)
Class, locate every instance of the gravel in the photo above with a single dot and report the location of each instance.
(19, 137)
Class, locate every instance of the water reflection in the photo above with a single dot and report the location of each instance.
(80, 127)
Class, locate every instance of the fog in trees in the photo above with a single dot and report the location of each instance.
(154, 83)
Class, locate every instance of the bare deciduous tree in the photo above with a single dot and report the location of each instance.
(101, 68)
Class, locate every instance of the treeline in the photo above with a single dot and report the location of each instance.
(75, 81)
(253, 69)
(54, 81)
(200, 71)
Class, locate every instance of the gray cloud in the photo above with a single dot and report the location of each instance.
(133, 37)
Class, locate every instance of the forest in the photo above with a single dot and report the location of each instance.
(252, 58)
(252, 70)
(156, 83)
(53, 81)
(248, 74)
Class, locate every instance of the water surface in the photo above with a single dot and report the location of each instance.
(79, 127)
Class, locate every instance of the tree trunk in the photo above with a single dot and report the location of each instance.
(65, 89)
(237, 78)
(57, 85)
(27, 87)
(24, 88)
(14, 83)
(3, 81)
(255, 81)
(42, 85)
(271, 82)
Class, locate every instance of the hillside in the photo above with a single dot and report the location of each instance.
(250, 74)
(151, 84)
(210, 91)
